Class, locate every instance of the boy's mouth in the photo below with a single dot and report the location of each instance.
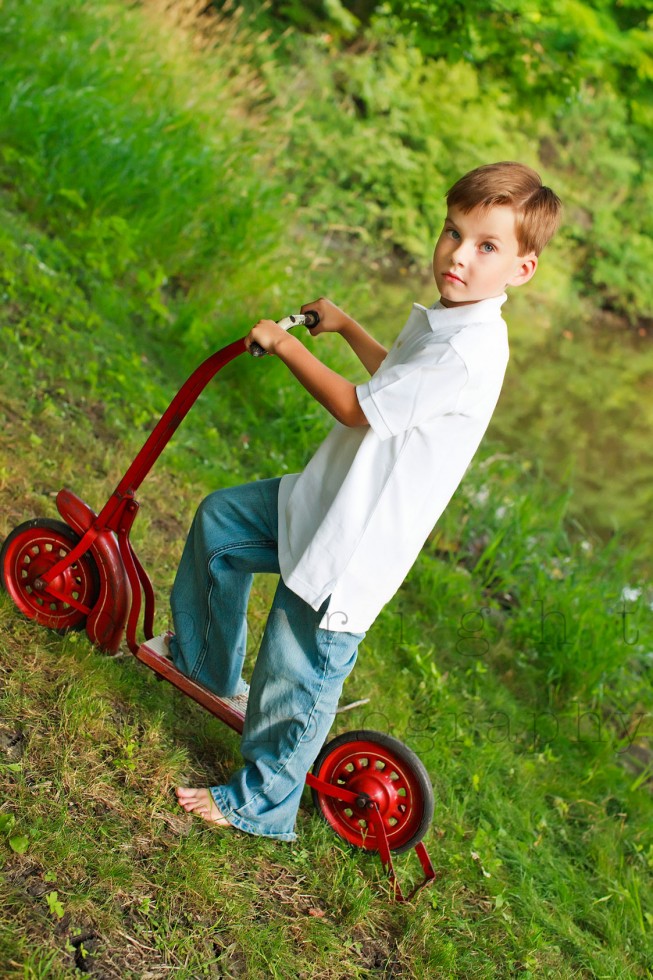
(452, 277)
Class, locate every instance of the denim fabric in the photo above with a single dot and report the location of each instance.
(299, 670)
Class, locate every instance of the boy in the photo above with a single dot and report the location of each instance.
(345, 532)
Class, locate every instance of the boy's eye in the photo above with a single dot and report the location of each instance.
(487, 247)
(453, 234)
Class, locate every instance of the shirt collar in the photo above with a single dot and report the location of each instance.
(450, 319)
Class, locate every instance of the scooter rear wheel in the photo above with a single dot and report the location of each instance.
(382, 768)
(28, 553)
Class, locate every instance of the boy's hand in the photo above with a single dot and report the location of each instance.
(267, 333)
(332, 318)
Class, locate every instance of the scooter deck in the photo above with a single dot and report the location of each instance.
(154, 654)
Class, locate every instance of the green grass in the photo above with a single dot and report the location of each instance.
(516, 660)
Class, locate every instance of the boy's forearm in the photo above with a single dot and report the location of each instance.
(330, 389)
(368, 350)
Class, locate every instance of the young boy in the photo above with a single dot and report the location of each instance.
(344, 533)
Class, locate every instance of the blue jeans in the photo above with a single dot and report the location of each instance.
(299, 670)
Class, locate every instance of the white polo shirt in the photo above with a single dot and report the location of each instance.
(352, 524)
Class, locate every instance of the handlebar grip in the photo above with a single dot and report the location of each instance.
(310, 319)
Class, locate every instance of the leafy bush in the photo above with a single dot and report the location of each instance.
(417, 93)
(385, 142)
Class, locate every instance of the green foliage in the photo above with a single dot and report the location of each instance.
(593, 437)
(399, 143)
(548, 49)
(55, 907)
(608, 192)
(312, 16)
(19, 843)
(426, 91)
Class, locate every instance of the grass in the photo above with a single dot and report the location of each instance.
(541, 837)
(101, 744)
(515, 661)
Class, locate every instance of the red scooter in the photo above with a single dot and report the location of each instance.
(82, 572)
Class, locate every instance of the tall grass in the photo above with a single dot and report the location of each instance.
(138, 157)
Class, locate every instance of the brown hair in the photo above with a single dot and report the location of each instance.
(537, 209)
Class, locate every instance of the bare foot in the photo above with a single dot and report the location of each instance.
(201, 802)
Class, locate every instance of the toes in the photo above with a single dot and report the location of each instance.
(190, 796)
(185, 792)
(193, 804)
(201, 803)
(192, 799)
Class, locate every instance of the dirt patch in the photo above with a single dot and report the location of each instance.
(12, 744)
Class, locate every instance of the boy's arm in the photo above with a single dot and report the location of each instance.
(330, 389)
(334, 320)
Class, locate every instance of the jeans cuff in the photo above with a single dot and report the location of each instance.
(237, 821)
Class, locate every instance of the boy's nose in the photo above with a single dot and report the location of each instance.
(459, 254)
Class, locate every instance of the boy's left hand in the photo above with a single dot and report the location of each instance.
(267, 333)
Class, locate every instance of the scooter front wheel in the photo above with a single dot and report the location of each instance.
(382, 768)
(28, 553)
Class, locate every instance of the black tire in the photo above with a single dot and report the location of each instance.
(379, 766)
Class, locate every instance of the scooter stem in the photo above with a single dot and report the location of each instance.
(167, 425)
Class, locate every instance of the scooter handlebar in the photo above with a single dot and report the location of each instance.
(310, 319)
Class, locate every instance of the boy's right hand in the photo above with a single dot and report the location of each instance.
(332, 318)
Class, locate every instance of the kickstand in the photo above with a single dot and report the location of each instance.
(386, 857)
(370, 808)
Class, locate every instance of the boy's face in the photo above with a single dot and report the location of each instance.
(477, 256)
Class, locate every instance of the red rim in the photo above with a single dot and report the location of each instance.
(383, 769)
(31, 550)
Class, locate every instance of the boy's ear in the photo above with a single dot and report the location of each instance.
(526, 266)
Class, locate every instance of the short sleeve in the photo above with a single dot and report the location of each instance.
(409, 394)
